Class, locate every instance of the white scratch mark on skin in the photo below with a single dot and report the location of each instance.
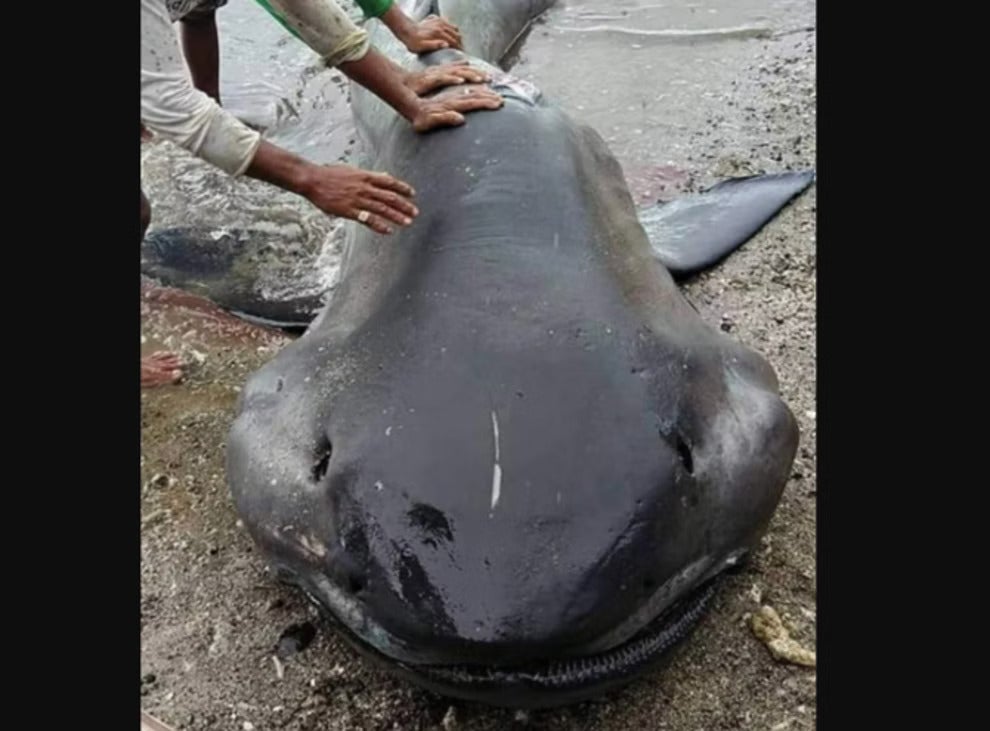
(496, 468)
(496, 483)
(556, 240)
(388, 431)
(313, 546)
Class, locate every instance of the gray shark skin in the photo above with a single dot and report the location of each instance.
(687, 235)
(509, 460)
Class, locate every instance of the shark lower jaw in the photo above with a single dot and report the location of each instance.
(551, 682)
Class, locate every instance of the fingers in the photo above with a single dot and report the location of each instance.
(444, 29)
(394, 201)
(473, 99)
(462, 70)
(439, 80)
(385, 211)
(426, 46)
(449, 31)
(450, 118)
(439, 118)
(451, 74)
(451, 38)
(384, 199)
(375, 200)
(386, 181)
(473, 76)
(436, 41)
(444, 110)
(375, 223)
(402, 207)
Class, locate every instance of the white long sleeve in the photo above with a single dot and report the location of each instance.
(173, 108)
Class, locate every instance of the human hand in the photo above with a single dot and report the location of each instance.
(373, 199)
(432, 34)
(449, 74)
(445, 109)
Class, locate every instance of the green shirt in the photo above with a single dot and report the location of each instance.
(374, 8)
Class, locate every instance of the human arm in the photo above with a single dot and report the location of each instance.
(431, 34)
(201, 48)
(174, 109)
(342, 190)
(327, 29)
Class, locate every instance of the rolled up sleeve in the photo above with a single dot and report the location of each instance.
(173, 108)
(325, 27)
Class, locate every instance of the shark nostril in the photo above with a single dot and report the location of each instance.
(323, 452)
(355, 583)
(682, 447)
(684, 452)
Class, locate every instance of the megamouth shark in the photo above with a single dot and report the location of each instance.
(508, 459)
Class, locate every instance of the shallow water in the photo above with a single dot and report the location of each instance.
(666, 84)
(646, 75)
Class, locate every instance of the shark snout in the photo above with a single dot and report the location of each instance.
(475, 553)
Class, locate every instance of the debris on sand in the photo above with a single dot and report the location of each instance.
(768, 627)
(150, 723)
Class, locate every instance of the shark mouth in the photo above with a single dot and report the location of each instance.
(640, 651)
(540, 683)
